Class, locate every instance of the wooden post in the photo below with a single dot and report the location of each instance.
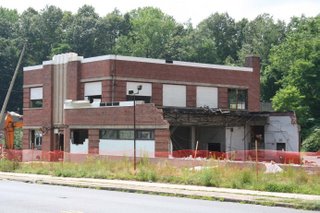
(195, 153)
(4, 106)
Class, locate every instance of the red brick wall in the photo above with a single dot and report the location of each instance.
(40, 116)
(120, 92)
(169, 72)
(73, 80)
(162, 138)
(157, 94)
(191, 96)
(254, 83)
(96, 69)
(93, 141)
(106, 91)
(146, 114)
(223, 98)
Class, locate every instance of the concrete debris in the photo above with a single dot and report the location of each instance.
(272, 167)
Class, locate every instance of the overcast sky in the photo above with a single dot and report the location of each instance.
(184, 10)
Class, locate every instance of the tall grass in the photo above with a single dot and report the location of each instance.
(290, 180)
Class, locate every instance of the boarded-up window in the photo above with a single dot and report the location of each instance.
(174, 95)
(207, 96)
(36, 97)
(93, 91)
(143, 95)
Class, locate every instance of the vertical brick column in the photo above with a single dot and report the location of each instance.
(93, 141)
(66, 140)
(26, 97)
(47, 141)
(120, 91)
(106, 91)
(162, 139)
(191, 96)
(73, 80)
(223, 98)
(157, 94)
(254, 85)
(26, 139)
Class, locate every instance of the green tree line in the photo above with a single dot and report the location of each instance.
(289, 52)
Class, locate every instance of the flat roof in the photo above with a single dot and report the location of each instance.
(142, 60)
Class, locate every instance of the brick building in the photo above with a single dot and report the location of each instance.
(85, 105)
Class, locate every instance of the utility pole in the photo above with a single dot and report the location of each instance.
(6, 100)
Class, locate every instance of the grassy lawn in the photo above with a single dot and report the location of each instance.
(290, 180)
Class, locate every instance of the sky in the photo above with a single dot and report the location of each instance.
(184, 10)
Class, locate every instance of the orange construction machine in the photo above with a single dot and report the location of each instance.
(12, 120)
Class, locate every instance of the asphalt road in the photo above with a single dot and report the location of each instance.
(26, 197)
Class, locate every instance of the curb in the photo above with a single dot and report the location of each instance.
(196, 192)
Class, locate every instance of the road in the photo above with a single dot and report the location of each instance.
(26, 197)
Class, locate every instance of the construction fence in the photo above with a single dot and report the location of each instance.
(282, 157)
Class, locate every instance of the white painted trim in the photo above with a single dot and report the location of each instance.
(99, 58)
(162, 61)
(95, 79)
(32, 85)
(31, 68)
(213, 66)
(32, 127)
(144, 60)
(148, 126)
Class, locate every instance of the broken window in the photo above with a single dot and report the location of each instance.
(36, 97)
(78, 136)
(93, 91)
(144, 94)
(281, 146)
(237, 99)
(36, 139)
(116, 134)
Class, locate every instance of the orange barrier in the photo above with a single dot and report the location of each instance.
(282, 157)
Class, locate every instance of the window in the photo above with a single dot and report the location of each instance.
(207, 96)
(116, 134)
(174, 95)
(237, 99)
(78, 136)
(36, 97)
(93, 91)
(144, 94)
(36, 139)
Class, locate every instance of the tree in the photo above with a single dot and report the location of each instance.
(150, 31)
(297, 62)
(289, 98)
(51, 29)
(81, 34)
(9, 50)
(109, 29)
(312, 142)
(217, 39)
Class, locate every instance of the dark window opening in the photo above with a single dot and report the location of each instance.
(78, 136)
(36, 140)
(257, 134)
(214, 147)
(116, 134)
(238, 99)
(281, 146)
(94, 98)
(36, 103)
(146, 99)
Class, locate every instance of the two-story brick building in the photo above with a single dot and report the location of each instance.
(84, 105)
